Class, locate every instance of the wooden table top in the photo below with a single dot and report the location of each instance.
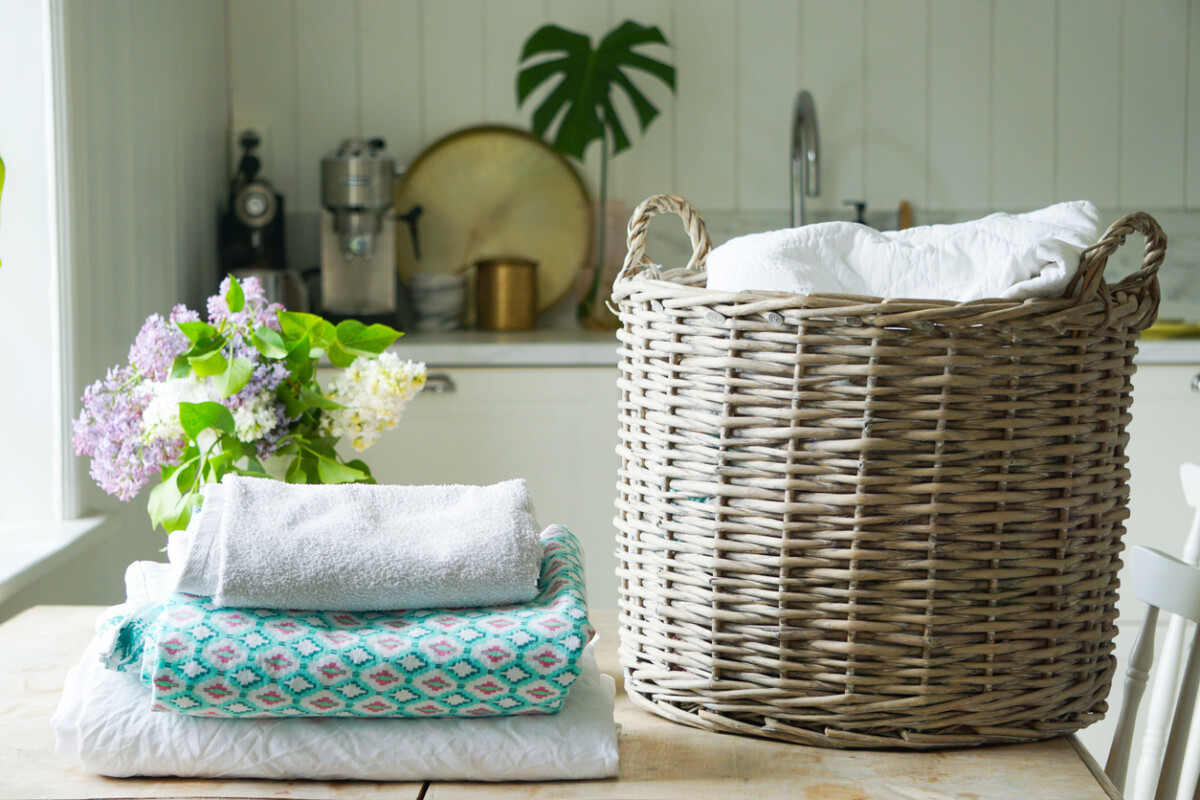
(660, 760)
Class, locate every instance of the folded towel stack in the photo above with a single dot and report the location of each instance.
(439, 611)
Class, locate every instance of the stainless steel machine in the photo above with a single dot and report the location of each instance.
(358, 251)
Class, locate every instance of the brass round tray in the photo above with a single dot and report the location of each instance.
(492, 191)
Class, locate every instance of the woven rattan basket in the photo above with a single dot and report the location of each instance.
(857, 522)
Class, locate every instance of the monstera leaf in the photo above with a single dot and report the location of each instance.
(587, 80)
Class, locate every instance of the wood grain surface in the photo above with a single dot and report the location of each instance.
(659, 759)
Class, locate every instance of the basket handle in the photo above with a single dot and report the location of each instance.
(1144, 282)
(635, 257)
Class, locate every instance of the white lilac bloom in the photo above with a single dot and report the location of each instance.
(160, 420)
(373, 392)
(256, 417)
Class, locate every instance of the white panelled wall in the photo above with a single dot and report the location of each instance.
(146, 113)
(964, 105)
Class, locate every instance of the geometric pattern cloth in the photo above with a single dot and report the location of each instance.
(473, 662)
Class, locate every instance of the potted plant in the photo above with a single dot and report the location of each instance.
(582, 104)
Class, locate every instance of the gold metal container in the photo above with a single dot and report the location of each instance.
(506, 293)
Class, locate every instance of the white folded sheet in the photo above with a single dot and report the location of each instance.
(105, 724)
(1011, 256)
(258, 543)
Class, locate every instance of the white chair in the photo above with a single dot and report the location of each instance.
(1166, 583)
(1166, 676)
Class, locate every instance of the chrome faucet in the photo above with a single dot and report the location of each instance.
(806, 155)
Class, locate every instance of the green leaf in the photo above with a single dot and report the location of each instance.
(235, 298)
(363, 339)
(268, 342)
(209, 364)
(362, 467)
(314, 399)
(340, 357)
(195, 331)
(180, 368)
(331, 471)
(186, 476)
(581, 100)
(323, 446)
(296, 325)
(197, 417)
(234, 447)
(235, 377)
(294, 473)
(308, 469)
(169, 507)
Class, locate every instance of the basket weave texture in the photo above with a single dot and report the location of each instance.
(862, 522)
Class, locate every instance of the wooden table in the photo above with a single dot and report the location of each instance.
(659, 759)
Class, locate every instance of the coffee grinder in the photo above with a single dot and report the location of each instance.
(358, 251)
(250, 230)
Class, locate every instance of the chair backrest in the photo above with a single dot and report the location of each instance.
(1144, 779)
(1166, 583)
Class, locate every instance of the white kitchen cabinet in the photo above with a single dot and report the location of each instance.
(1164, 433)
(556, 427)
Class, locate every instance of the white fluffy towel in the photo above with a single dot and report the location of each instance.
(1010, 256)
(258, 543)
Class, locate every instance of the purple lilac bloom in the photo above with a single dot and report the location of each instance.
(269, 443)
(109, 429)
(156, 346)
(181, 313)
(266, 377)
(256, 312)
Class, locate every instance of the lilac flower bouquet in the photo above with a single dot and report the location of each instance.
(239, 393)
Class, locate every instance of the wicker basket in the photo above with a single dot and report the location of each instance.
(855, 522)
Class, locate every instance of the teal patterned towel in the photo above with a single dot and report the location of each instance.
(479, 662)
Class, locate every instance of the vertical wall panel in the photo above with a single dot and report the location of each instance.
(452, 64)
(960, 68)
(147, 117)
(326, 90)
(262, 88)
(389, 58)
(896, 108)
(1192, 127)
(706, 104)
(508, 23)
(1089, 101)
(833, 61)
(768, 71)
(952, 104)
(646, 168)
(1153, 97)
(203, 132)
(149, 171)
(119, 190)
(1022, 163)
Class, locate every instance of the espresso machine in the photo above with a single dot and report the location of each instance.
(358, 250)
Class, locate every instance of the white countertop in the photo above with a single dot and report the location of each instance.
(1168, 351)
(577, 348)
(546, 347)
